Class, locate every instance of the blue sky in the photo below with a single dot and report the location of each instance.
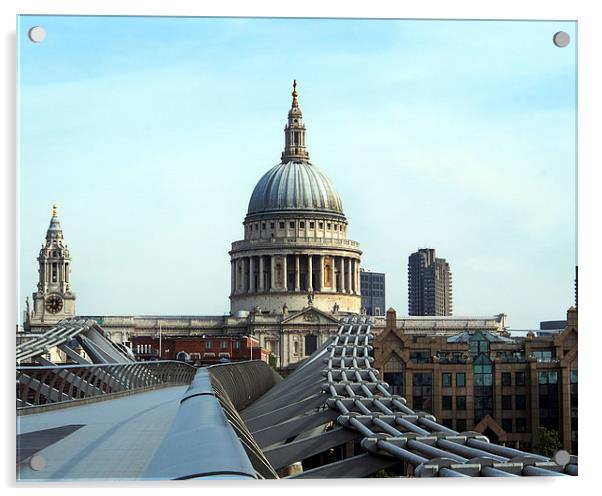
(150, 134)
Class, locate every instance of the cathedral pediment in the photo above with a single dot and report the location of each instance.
(311, 315)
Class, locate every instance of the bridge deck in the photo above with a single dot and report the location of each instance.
(116, 441)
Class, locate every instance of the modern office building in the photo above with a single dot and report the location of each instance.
(372, 288)
(429, 284)
(499, 385)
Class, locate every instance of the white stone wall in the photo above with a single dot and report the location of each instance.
(273, 302)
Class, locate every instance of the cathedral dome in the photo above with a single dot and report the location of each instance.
(295, 186)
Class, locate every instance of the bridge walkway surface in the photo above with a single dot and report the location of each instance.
(112, 439)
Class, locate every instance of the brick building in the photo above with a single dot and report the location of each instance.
(202, 350)
(502, 386)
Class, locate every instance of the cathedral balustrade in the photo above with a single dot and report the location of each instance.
(272, 243)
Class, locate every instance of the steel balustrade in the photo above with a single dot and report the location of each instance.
(55, 384)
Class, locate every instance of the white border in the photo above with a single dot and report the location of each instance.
(590, 162)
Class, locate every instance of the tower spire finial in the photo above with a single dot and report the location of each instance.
(294, 133)
(295, 94)
(54, 207)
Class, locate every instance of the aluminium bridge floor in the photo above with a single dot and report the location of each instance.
(112, 439)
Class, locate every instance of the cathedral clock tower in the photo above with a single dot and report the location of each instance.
(53, 300)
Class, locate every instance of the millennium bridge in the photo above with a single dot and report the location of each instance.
(111, 417)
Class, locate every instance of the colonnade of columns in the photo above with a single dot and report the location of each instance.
(295, 272)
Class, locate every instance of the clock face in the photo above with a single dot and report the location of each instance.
(54, 304)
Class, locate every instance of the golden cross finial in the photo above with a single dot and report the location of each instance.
(295, 94)
(54, 207)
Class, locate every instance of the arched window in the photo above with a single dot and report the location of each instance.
(393, 375)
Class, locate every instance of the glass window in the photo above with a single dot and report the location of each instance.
(521, 425)
(479, 344)
(461, 425)
(237, 345)
(483, 387)
(544, 355)
(573, 377)
(208, 344)
(446, 402)
(302, 225)
(393, 375)
(507, 424)
(506, 379)
(224, 344)
(291, 225)
(460, 402)
(321, 225)
(272, 225)
(281, 225)
(311, 225)
(460, 379)
(446, 379)
(420, 357)
(328, 226)
(263, 226)
(549, 408)
(548, 377)
(506, 403)
(520, 401)
(422, 391)
(519, 378)
(447, 422)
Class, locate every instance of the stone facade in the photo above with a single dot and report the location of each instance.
(288, 336)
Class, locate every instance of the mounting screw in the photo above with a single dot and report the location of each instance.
(37, 34)
(561, 39)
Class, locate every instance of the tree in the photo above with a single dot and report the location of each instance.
(547, 442)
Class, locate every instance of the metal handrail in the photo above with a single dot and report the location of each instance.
(55, 384)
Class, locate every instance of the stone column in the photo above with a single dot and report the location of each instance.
(310, 270)
(321, 273)
(357, 277)
(343, 287)
(333, 274)
(261, 274)
(236, 281)
(272, 272)
(245, 277)
(297, 274)
(252, 288)
(352, 275)
(349, 286)
(284, 273)
(232, 277)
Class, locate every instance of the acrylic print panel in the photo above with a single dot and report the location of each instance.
(368, 161)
